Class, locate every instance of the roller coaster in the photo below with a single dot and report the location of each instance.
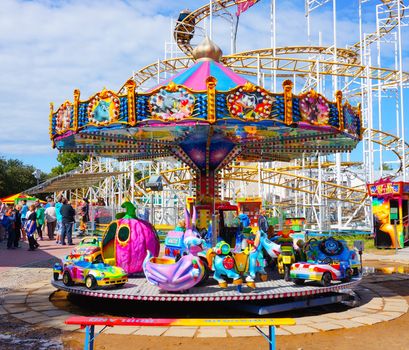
(309, 183)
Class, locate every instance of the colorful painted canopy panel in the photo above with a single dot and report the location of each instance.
(204, 116)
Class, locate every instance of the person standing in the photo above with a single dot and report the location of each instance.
(50, 219)
(58, 215)
(31, 227)
(84, 216)
(68, 214)
(17, 225)
(262, 221)
(2, 224)
(23, 214)
(40, 219)
(10, 228)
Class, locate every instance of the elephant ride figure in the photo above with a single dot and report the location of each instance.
(244, 264)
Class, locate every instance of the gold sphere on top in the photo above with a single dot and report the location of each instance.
(207, 50)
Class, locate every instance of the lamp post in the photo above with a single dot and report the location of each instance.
(37, 175)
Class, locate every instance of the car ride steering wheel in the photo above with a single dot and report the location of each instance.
(327, 260)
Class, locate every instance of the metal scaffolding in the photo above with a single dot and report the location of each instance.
(329, 191)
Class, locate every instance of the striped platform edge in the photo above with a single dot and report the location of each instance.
(139, 289)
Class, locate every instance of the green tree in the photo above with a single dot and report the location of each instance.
(386, 166)
(69, 161)
(15, 177)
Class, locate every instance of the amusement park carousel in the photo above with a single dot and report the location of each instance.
(206, 116)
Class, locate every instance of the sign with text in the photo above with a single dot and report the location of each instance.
(385, 189)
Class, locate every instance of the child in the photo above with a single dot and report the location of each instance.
(31, 228)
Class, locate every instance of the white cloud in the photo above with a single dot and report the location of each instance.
(50, 47)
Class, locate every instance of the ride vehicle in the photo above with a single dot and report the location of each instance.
(285, 260)
(89, 249)
(246, 263)
(92, 275)
(181, 274)
(324, 272)
(175, 241)
(336, 250)
(185, 269)
(126, 239)
(287, 255)
(328, 259)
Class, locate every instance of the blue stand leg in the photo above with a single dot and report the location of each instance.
(89, 338)
(272, 337)
(91, 342)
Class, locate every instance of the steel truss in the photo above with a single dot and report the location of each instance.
(311, 187)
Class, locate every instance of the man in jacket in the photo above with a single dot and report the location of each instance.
(67, 213)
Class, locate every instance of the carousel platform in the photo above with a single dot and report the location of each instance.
(139, 289)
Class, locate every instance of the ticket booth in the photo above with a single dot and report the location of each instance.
(250, 206)
(390, 212)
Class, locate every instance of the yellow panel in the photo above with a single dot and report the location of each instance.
(235, 322)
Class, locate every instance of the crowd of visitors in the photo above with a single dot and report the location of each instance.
(21, 222)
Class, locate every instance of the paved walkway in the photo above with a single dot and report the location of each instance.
(11, 258)
(378, 304)
(400, 255)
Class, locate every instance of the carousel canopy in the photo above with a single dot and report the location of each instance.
(206, 116)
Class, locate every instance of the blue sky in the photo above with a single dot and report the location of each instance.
(48, 48)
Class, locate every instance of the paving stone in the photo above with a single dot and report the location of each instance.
(36, 320)
(180, 332)
(368, 320)
(214, 332)
(121, 330)
(15, 300)
(348, 323)
(21, 295)
(375, 302)
(37, 285)
(29, 314)
(97, 329)
(299, 329)
(370, 306)
(40, 293)
(281, 331)
(396, 307)
(52, 313)
(393, 314)
(370, 311)
(332, 316)
(13, 308)
(42, 307)
(326, 326)
(244, 332)
(350, 314)
(313, 319)
(53, 323)
(37, 299)
(151, 331)
(394, 299)
(69, 327)
(380, 317)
